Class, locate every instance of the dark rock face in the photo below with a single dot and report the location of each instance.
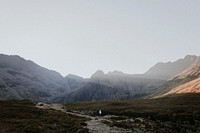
(23, 79)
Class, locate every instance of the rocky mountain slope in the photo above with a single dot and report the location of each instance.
(192, 70)
(74, 81)
(117, 85)
(23, 79)
(188, 81)
(189, 87)
(170, 69)
(112, 87)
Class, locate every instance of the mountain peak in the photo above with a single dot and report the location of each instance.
(169, 69)
(115, 72)
(72, 76)
(190, 57)
(98, 73)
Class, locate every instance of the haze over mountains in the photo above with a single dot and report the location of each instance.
(188, 81)
(169, 69)
(20, 78)
(23, 79)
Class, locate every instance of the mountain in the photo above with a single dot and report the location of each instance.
(169, 69)
(188, 81)
(93, 92)
(115, 73)
(192, 70)
(98, 74)
(23, 79)
(117, 85)
(112, 86)
(189, 87)
(74, 81)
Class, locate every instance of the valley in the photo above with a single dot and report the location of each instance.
(35, 99)
(99, 66)
(24, 79)
(175, 113)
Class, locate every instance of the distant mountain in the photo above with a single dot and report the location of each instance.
(115, 73)
(125, 86)
(193, 70)
(93, 92)
(23, 79)
(112, 86)
(188, 81)
(170, 69)
(74, 81)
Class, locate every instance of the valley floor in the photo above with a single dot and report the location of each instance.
(174, 114)
(23, 117)
(95, 124)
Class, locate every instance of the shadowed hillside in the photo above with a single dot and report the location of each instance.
(24, 117)
(23, 79)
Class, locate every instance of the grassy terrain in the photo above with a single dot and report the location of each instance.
(178, 112)
(23, 117)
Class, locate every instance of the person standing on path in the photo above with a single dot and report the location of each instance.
(100, 112)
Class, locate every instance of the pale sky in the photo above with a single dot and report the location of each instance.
(82, 36)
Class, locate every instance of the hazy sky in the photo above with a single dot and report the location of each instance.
(82, 36)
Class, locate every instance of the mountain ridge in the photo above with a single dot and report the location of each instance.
(24, 79)
(168, 69)
(124, 86)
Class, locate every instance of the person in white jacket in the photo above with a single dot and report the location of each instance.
(100, 112)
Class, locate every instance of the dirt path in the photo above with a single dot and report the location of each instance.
(95, 124)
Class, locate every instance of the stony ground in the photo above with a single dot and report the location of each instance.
(124, 124)
(96, 124)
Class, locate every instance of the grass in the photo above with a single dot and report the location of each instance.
(177, 113)
(178, 105)
(23, 117)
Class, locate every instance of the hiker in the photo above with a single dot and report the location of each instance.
(100, 112)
